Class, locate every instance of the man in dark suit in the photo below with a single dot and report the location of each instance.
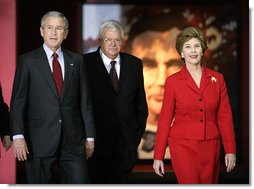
(4, 123)
(51, 111)
(120, 109)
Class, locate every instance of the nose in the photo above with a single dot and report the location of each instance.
(54, 31)
(113, 42)
(161, 75)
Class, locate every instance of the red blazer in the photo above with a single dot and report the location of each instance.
(190, 112)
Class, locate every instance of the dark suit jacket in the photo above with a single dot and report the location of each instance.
(4, 116)
(118, 115)
(38, 113)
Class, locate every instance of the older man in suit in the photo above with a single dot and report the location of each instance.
(51, 111)
(120, 108)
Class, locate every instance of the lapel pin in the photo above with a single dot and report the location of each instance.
(213, 79)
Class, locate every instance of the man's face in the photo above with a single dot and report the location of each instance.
(111, 43)
(160, 59)
(53, 32)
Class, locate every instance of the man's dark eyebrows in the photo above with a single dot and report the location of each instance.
(149, 62)
(175, 62)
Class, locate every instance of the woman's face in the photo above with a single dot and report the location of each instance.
(160, 59)
(192, 52)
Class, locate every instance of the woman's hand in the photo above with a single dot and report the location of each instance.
(158, 167)
(230, 161)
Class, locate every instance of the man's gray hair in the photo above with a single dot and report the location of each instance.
(111, 24)
(55, 14)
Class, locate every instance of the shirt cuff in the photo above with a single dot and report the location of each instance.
(18, 136)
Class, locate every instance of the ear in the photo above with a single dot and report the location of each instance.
(66, 33)
(41, 31)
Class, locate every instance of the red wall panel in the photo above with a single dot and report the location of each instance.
(7, 69)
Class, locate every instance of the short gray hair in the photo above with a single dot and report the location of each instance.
(55, 14)
(111, 24)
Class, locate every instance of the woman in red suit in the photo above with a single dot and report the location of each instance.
(195, 117)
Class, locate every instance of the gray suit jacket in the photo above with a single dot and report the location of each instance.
(40, 114)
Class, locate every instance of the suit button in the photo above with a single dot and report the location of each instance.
(201, 120)
(201, 110)
(60, 121)
(200, 99)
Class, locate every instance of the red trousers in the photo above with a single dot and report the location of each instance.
(195, 161)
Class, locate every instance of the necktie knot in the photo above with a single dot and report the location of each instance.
(113, 62)
(55, 55)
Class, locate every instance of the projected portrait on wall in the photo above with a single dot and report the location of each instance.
(151, 32)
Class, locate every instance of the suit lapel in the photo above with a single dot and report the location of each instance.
(123, 71)
(68, 63)
(206, 79)
(45, 69)
(102, 70)
(184, 74)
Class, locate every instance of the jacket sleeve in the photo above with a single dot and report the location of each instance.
(86, 103)
(225, 119)
(164, 122)
(141, 108)
(18, 106)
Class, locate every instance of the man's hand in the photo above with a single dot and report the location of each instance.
(89, 149)
(20, 149)
(7, 142)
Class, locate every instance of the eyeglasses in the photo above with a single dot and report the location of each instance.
(109, 41)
